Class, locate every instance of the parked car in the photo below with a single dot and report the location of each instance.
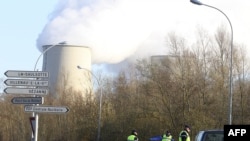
(157, 138)
(210, 135)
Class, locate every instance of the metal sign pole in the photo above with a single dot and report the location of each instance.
(36, 127)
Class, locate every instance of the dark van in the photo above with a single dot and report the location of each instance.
(210, 135)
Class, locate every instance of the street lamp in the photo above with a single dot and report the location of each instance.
(231, 61)
(35, 114)
(100, 102)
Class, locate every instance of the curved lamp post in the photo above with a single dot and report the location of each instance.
(231, 61)
(60, 43)
(100, 102)
(35, 114)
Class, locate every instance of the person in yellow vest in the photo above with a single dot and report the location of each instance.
(184, 134)
(167, 136)
(133, 136)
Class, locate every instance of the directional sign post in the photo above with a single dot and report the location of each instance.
(26, 74)
(28, 91)
(46, 109)
(42, 90)
(27, 100)
(26, 82)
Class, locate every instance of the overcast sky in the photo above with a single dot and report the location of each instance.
(113, 29)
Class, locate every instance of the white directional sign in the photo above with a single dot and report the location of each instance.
(30, 91)
(26, 82)
(26, 74)
(46, 109)
(27, 100)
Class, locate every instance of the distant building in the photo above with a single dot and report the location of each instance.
(163, 60)
(61, 62)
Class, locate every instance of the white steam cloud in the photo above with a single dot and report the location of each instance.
(114, 29)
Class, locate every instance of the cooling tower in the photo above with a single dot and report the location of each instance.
(61, 62)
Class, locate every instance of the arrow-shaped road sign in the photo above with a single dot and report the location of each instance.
(46, 109)
(27, 74)
(26, 82)
(30, 91)
(27, 100)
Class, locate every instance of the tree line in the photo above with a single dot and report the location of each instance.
(189, 85)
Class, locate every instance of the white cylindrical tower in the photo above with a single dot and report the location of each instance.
(61, 62)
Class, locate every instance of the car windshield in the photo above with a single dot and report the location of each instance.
(214, 136)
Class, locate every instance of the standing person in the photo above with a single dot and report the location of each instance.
(167, 136)
(133, 136)
(184, 134)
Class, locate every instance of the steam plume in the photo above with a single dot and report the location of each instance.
(113, 29)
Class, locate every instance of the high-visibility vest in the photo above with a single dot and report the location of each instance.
(188, 137)
(132, 138)
(166, 138)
